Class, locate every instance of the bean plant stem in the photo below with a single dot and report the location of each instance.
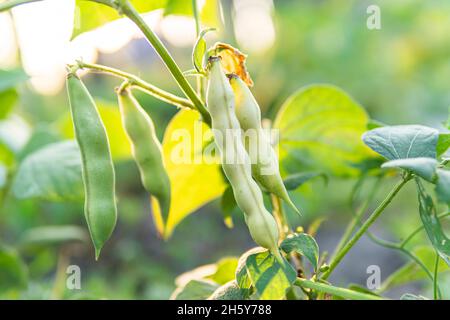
(7, 5)
(125, 7)
(435, 278)
(200, 80)
(372, 218)
(140, 84)
(341, 292)
(356, 219)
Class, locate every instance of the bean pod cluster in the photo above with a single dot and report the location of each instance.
(235, 160)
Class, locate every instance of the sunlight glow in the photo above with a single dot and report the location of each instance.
(8, 48)
(43, 31)
(254, 28)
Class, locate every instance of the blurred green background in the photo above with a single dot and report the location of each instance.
(399, 73)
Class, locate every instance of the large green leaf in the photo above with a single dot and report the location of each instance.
(13, 272)
(193, 183)
(242, 278)
(432, 224)
(411, 271)
(403, 142)
(320, 128)
(305, 245)
(270, 279)
(51, 173)
(423, 167)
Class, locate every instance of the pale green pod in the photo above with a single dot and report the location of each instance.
(236, 162)
(97, 167)
(146, 149)
(265, 167)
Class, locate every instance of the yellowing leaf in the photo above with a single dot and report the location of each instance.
(110, 114)
(193, 181)
(321, 128)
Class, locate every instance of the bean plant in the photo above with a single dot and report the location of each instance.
(286, 262)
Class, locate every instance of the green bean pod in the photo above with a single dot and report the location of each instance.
(265, 167)
(146, 149)
(235, 160)
(97, 167)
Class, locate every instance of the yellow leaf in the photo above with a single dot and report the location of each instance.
(193, 180)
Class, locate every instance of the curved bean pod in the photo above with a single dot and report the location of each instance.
(146, 148)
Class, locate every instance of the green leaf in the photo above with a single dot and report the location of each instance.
(411, 271)
(10, 78)
(432, 224)
(225, 272)
(443, 143)
(243, 280)
(228, 291)
(270, 279)
(60, 234)
(8, 99)
(443, 186)
(320, 129)
(42, 135)
(51, 173)
(423, 167)
(199, 50)
(193, 183)
(195, 290)
(13, 272)
(296, 180)
(402, 142)
(304, 244)
(90, 15)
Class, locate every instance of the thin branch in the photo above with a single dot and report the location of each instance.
(139, 84)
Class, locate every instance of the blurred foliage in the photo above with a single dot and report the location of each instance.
(399, 74)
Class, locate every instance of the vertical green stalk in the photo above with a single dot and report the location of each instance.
(125, 7)
(200, 80)
(435, 278)
(374, 216)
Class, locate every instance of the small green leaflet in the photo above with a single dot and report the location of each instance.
(443, 186)
(423, 167)
(305, 245)
(443, 143)
(199, 50)
(432, 224)
(195, 290)
(13, 271)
